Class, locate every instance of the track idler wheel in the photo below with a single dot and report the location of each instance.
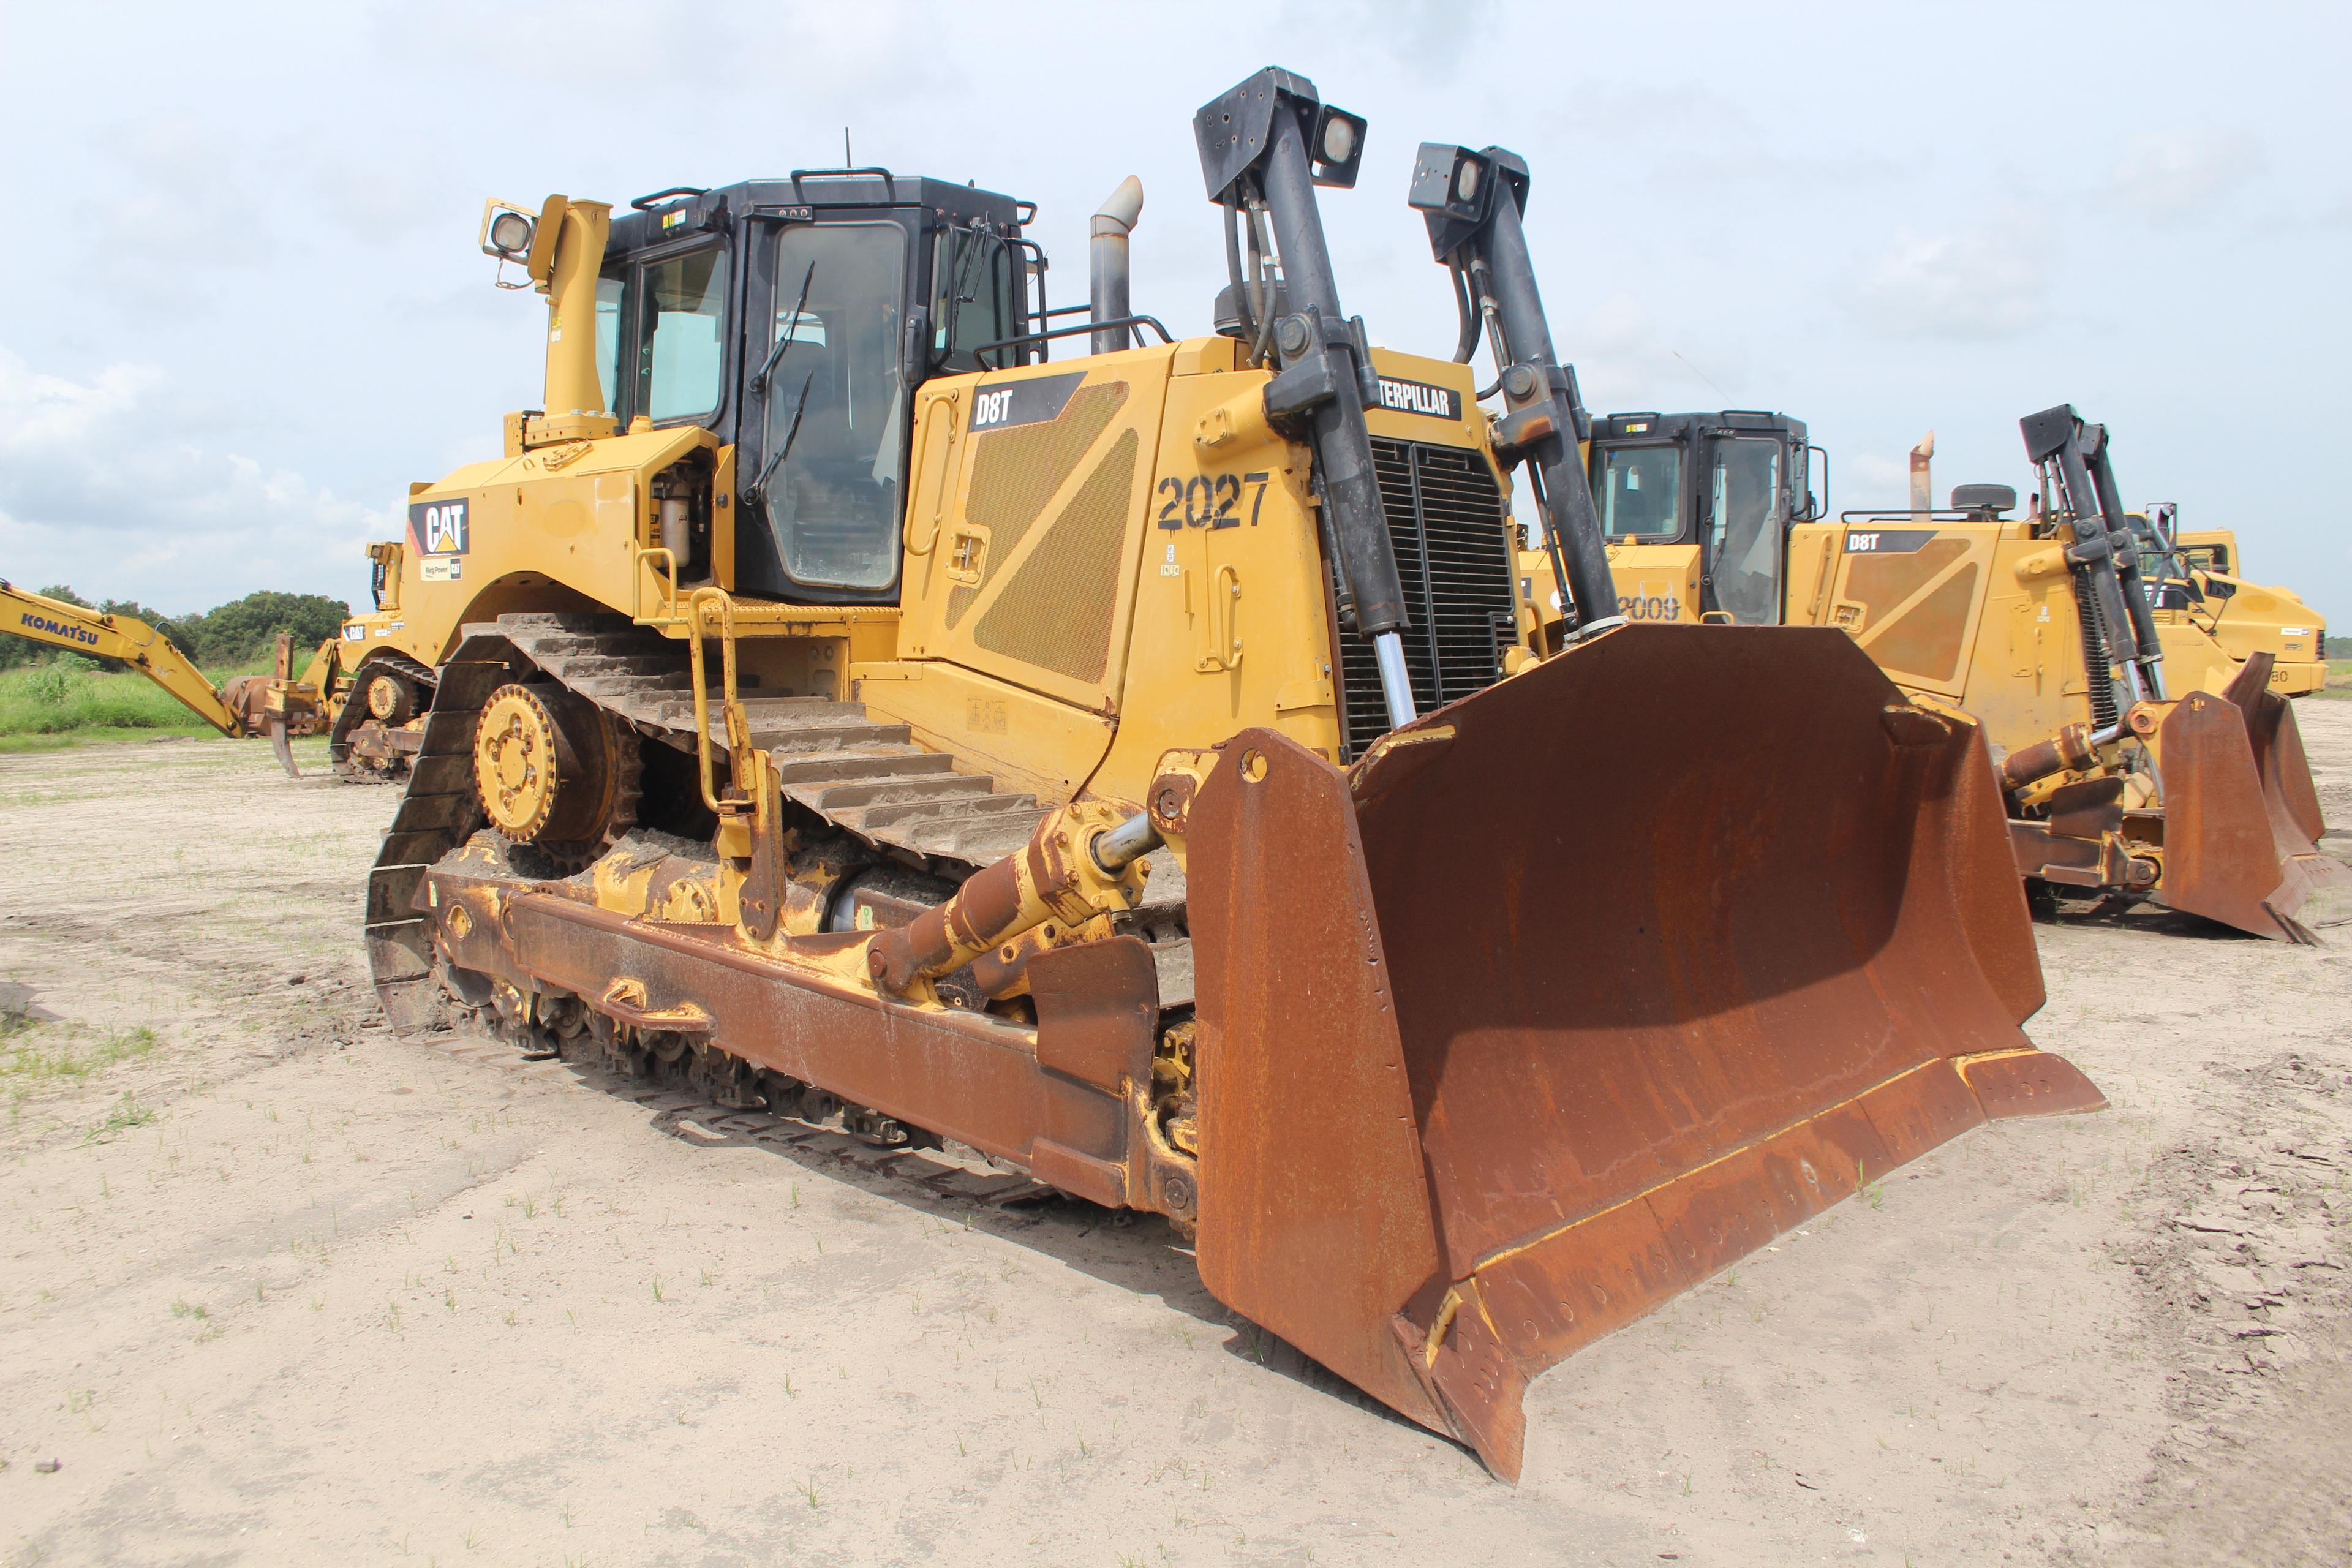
(391, 698)
(555, 771)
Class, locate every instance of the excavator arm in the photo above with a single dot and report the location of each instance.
(133, 642)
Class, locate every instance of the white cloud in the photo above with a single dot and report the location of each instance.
(2175, 176)
(1874, 476)
(1979, 285)
(95, 490)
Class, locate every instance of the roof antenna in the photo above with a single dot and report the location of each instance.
(1697, 372)
(846, 161)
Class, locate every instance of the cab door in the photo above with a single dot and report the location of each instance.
(1743, 522)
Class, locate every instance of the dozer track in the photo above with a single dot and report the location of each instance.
(362, 748)
(868, 778)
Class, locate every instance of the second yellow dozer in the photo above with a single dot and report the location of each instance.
(2041, 627)
(1108, 765)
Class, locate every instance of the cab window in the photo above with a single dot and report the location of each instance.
(832, 429)
(1640, 493)
(684, 302)
(1746, 515)
(971, 298)
(609, 293)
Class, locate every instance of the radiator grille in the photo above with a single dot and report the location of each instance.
(1449, 522)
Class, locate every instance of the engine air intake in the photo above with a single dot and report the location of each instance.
(1447, 518)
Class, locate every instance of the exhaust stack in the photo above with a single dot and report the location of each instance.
(576, 394)
(1107, 265)
(1923, 488)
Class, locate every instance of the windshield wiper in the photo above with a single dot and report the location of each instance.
(791, 334)
(758, 492)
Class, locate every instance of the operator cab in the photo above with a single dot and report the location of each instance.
(1731, 482)
(793, 319)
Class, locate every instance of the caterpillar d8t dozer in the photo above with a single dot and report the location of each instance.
(1108, 765)
(250, 706)
(2044, 629)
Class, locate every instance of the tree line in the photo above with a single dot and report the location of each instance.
(231, 634)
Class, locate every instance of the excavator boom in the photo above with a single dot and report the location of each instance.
(241, 711)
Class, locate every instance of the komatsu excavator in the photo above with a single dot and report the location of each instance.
(276, 706)
(2043, 628)
(1109, 764)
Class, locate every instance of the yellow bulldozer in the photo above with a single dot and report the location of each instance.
(2211, 619)
(1119, 765)
(382, 685)
(2044, 628)
(276, 706)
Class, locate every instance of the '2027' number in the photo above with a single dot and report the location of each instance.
(1208, 500)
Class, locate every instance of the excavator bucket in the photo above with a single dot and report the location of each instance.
(2241, 819)
(1572, 994)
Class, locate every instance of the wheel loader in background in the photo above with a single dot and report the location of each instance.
(2042, 629)
(1108, 763)
(2211, 620)
(276, 706)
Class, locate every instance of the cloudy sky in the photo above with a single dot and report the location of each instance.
(246, 307)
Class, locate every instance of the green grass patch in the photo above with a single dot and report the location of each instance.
(2339, 679)
(127, 1113)
(30, 1054)
(65, 702)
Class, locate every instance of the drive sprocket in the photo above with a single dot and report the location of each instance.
(554, 770)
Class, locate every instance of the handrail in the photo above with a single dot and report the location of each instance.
(738, 729)
(668, 609)
(1151, 321)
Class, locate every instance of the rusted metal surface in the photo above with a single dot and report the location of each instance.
(2087, 808)
(2219, 857)
(278, 745)
(1647, 1016)
(2069, 862)
(968, 1076)
(1097, 1019)
(2238, 805)
(1316, 1215)
(2279, 758)
(2069, 748)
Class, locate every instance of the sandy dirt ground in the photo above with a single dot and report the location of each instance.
(276, 1286)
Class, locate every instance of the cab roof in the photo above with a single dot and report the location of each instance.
(683, 210)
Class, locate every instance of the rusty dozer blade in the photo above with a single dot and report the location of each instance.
(2241, 821)
(1574, 993)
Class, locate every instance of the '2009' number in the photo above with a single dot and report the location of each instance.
(1207, 500)
(1652, 608)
